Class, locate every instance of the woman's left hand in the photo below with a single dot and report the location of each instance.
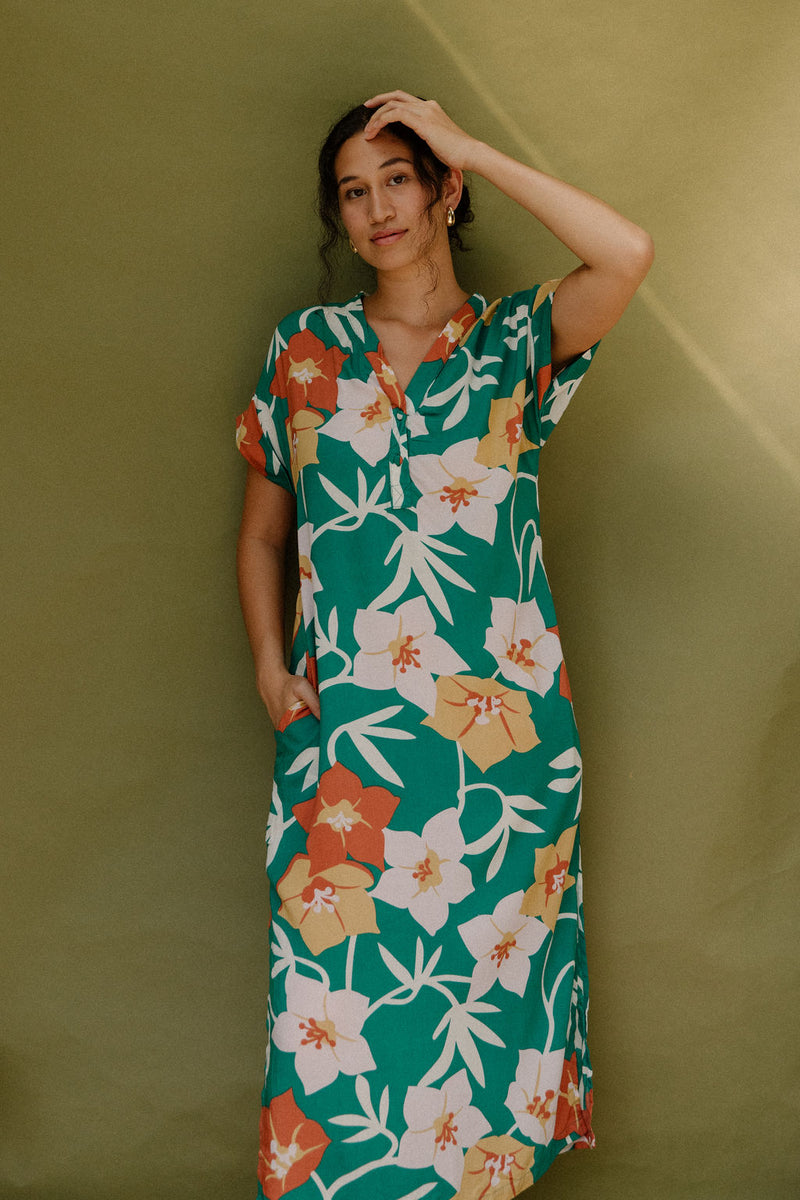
(449, 143)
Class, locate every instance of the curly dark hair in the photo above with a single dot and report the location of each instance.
(431, 172)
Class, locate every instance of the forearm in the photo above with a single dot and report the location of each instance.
(260, 570)
(601, 237)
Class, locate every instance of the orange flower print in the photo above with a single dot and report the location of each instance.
(488, 719)
(571, 1115)
(452, 333)
(345, 817)
(306, 373)
(543, 898)
(301, 431)
(496, 1168)
(585, 1120)
(506, 439)
(563, 680)
(326, 906)
(291, 1147)
(387, 379)
(248, 437)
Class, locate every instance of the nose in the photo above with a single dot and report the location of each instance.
(381, 207)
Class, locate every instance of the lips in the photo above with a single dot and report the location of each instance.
(387, 237)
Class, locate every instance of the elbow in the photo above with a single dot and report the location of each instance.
(640, 255)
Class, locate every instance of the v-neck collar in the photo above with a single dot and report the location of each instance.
(451, 335)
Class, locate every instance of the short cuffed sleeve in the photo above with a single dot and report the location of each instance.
(551, 394)
(262, 430)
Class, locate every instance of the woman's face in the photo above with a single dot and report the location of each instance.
(382, 202)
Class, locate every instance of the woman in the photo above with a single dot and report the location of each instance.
(428, 1000)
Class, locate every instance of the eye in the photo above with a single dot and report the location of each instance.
(399, 178)
(353, 193)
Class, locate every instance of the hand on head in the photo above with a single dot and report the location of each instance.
(427, 119)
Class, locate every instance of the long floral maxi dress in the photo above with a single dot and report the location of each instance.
(428, 997)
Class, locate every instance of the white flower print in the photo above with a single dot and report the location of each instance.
(441, 1124)
(363, 418)
(526, 652)
(425, 874)
(458, 490)
(323, 1031)
(502, 944)
(533, 1097)
(401, 650)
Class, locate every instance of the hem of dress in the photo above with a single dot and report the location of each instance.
(585, 1141)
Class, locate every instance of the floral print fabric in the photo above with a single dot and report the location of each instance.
(428, 997)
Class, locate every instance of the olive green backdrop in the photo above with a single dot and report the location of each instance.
(158, 221)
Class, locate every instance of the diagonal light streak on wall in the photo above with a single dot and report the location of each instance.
(702, 362)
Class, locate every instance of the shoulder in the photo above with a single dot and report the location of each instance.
(508, 315)
(519, 304)
(325, 321)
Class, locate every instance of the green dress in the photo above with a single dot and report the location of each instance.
(428, 995)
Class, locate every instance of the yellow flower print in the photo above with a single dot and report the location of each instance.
(487, 718)
(543, 292)
(490, 311)
(375, 412)
(496, 1168)
(303, 439)
(506, 439)
(298, 615)
(328, 905)
(305, 372)
(543, 898)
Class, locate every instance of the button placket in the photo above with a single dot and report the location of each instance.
(398, 452)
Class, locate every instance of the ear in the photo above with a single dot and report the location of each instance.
(453, 186)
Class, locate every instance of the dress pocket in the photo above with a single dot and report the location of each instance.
(295, 712)
(297, 737)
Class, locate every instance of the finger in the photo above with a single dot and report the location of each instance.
(307, 695)
(382, 97)
(388, 114)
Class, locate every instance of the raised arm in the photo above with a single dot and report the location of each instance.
(267, 521)
(616, 254)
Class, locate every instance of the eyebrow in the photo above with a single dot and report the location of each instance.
(389, 163)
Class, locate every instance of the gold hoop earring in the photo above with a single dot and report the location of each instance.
(352, 247)
(451, 217)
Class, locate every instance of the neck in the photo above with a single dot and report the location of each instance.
(406, 295)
